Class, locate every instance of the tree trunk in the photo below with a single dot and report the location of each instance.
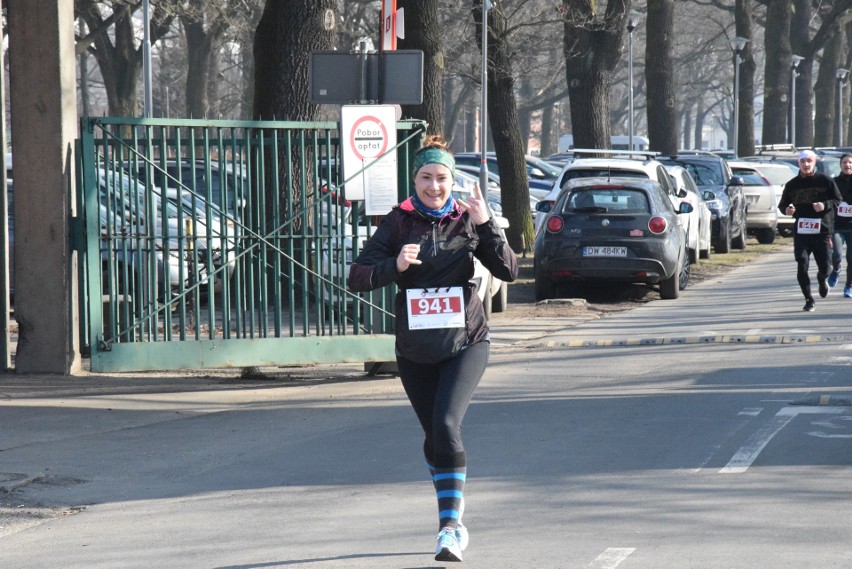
(801, 45)
(287, 33)
(548, 146)
(825, 90)
(745, 97)
(662, 123)
(776, 99)
(120, 63)
(592, 49)
(700, 113)
(505, 129)
(423, 32)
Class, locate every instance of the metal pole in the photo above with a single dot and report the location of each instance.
(146, 55)
(839, 137)
(840, 75)
(630, 89)
(793, 108)
(736, 102)
(794, 63)
(483, 115)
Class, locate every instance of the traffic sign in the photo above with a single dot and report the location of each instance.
(368, 136)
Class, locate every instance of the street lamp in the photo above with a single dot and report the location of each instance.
(840, 74)
(795, 60)
(632, 21)
(483, 127)
(738, 44)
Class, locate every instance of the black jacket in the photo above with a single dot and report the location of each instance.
(844, 184)
(804, 191)
(447, 249)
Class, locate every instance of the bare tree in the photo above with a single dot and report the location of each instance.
(505, 128)
(745, 97)
(112, 40)
(592, 47)
(662, 124)
(424, 33)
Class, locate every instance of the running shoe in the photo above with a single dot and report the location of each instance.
(461, 531)
(809, 305)
(832, 278)
(823, 288)
(448, 548)
(462, 536)
(847, 292)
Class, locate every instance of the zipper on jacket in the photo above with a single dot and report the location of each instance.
(434, 239)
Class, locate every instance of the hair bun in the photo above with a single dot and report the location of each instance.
(435, 141)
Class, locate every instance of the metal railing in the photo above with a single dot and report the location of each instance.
(212, 231)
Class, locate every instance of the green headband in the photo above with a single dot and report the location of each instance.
(433, 156)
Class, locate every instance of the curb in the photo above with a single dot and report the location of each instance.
(717, 339)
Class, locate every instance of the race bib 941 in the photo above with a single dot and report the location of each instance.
(435, 308)
(807, 226)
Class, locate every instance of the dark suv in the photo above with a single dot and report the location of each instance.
(724, 194)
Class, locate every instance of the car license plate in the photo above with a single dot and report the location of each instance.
(604, 251)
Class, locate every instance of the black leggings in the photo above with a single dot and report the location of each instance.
(440, 395)
(803, 246)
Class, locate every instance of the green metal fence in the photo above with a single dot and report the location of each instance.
(224, 244)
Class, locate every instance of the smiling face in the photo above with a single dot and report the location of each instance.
(846, 165)
(433, 184)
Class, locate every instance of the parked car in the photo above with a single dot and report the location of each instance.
(827, 160)
(540, 174)
(762, 211)
(699, 221)
(726, 201)
(611, 229)
(779, 173)
(614, 163)
(494, 195)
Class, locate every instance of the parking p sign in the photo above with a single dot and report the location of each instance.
(368, 138)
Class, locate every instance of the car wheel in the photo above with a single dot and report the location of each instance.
(739, 242)
(670, 288)
(723, 244)
(544, 289)
(500, 301)
(765, 236)
(683, 278)
(705, 253)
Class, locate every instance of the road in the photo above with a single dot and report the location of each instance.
(720, 440)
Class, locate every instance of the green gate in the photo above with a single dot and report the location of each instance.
(211, 244)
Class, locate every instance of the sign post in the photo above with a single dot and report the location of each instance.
(368, 133)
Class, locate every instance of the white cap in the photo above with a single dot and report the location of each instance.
(807, 154)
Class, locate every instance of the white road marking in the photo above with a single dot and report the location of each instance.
(832, 424)
(748, 453)
(753, 331)
(751, 411)
(611, 557)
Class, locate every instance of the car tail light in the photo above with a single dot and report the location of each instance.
(555, 224)
(657, 224)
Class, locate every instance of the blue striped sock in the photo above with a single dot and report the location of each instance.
(449, 488)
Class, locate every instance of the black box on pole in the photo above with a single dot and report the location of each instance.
(389, 77)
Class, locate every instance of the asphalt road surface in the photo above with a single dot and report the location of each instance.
(709, 432)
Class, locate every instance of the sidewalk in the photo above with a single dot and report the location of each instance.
(762, 304)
